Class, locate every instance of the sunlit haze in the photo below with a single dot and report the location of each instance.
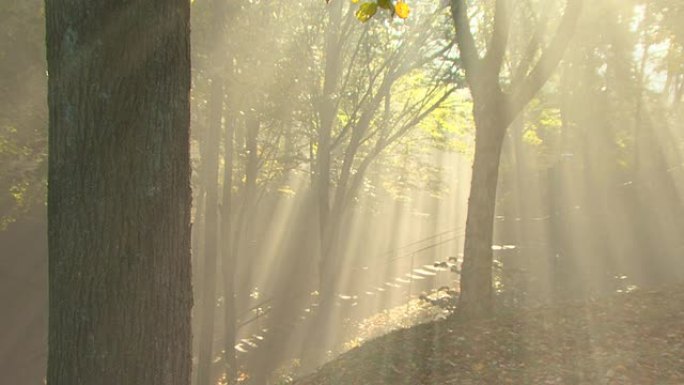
(343, 167)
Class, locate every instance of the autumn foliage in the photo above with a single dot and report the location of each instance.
(368, 9)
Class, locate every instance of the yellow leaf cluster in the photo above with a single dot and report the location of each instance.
(368, 9)
(402, 9)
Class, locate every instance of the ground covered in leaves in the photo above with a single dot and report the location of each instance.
(632, 338)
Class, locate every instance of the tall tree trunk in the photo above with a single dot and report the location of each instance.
(327, 110)
(228, 258)
(208, 304)
(246, 135)
(253, 126)
(326, 107)
(243, 245)
(493, 112)
(119, 192)
(476, 297)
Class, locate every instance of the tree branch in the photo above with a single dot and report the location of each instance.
(464, 37)
(528, 56)
(497, 45)
(549, 60)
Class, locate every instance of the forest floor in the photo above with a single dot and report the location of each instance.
(632, 338)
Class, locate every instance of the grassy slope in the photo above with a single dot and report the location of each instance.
(635, 338)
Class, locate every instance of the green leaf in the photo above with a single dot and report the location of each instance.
(366, 11)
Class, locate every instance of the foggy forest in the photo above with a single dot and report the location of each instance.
(341, 192)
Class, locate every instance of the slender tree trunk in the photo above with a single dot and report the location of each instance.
(251, 146)
(243, 245)
(246, 135)
(239, 133)
(228, 258)
(208, 304)
(119, 192)
(679, 92)
(253, 127)
(210, 164)
(327, 109)
(639, 112)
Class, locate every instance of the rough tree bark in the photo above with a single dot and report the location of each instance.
(119, 192)
(494, 110)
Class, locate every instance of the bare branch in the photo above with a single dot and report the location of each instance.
(357, 106)
(531, 50)
(381, 144)
(418, 118)
(549, 60)
(357, 134)
(352, 61)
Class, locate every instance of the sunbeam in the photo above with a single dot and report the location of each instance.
(341, 192)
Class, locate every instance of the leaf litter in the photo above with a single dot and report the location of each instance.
(632, 338)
